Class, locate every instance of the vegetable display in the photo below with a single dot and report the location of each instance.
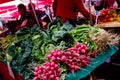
(4, 44)
(109, 15)
(50, 54)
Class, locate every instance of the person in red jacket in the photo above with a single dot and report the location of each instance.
(66, 10)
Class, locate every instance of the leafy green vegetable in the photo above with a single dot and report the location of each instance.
(33, 45)
(82, 35)
(5, 42)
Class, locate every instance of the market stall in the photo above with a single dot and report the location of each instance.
(62, 52)
(33, 49)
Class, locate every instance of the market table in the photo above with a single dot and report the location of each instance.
(110, 70)
(113, 26)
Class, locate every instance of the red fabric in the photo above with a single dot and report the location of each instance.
(7, 7)
(3, 11)
(47, 1)
(3, 1)
(67, 9)
(5, 73)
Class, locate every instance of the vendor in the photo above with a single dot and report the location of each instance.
(47, 18)
(118, 2)
(99, 5)
(66, 10)
(38, 13)
(24, 15)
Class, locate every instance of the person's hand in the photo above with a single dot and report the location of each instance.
(24, 23)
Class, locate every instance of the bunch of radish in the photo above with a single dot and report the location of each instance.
(49, 71)
(57, 55)
(77, 57)
(74, 58)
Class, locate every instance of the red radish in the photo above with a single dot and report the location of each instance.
(36, 68)
(56, 66)
(52, 51)
(76, 67)
(78, 45)
(59, 70)
(59, 53)
(35, 78)
(44, 78)
(72, 70)
(57, 78)
(47, 64)
(83, 50)
(50, 72)
(49, 56)
(48, 68)
(63, 58)
(52, 68)
(52, 76)
(53, 58)
(52, 63)
(55, 72)
(35, 73)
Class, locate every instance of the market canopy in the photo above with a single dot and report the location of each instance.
(3, 1)
(8, 8)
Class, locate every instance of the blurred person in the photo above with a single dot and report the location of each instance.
(66, 10)
(38, 14)
(23, 12)
(24, 15)
(47, 18)
(118, 2)
(100, 4)
(48, 12)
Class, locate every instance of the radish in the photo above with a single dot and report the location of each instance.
(56, 66)
(83, 50)
(52, 63)
(36, 69)
(48, 68)
(78, 45)
(63, 58)
(35, 73)
(59, 53)
(52, 68)
(53, 58)
(50, 72)
(35, 78)
(59, 70)
(57, 78)
(49, 56)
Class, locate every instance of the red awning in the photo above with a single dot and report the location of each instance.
(3, 1)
